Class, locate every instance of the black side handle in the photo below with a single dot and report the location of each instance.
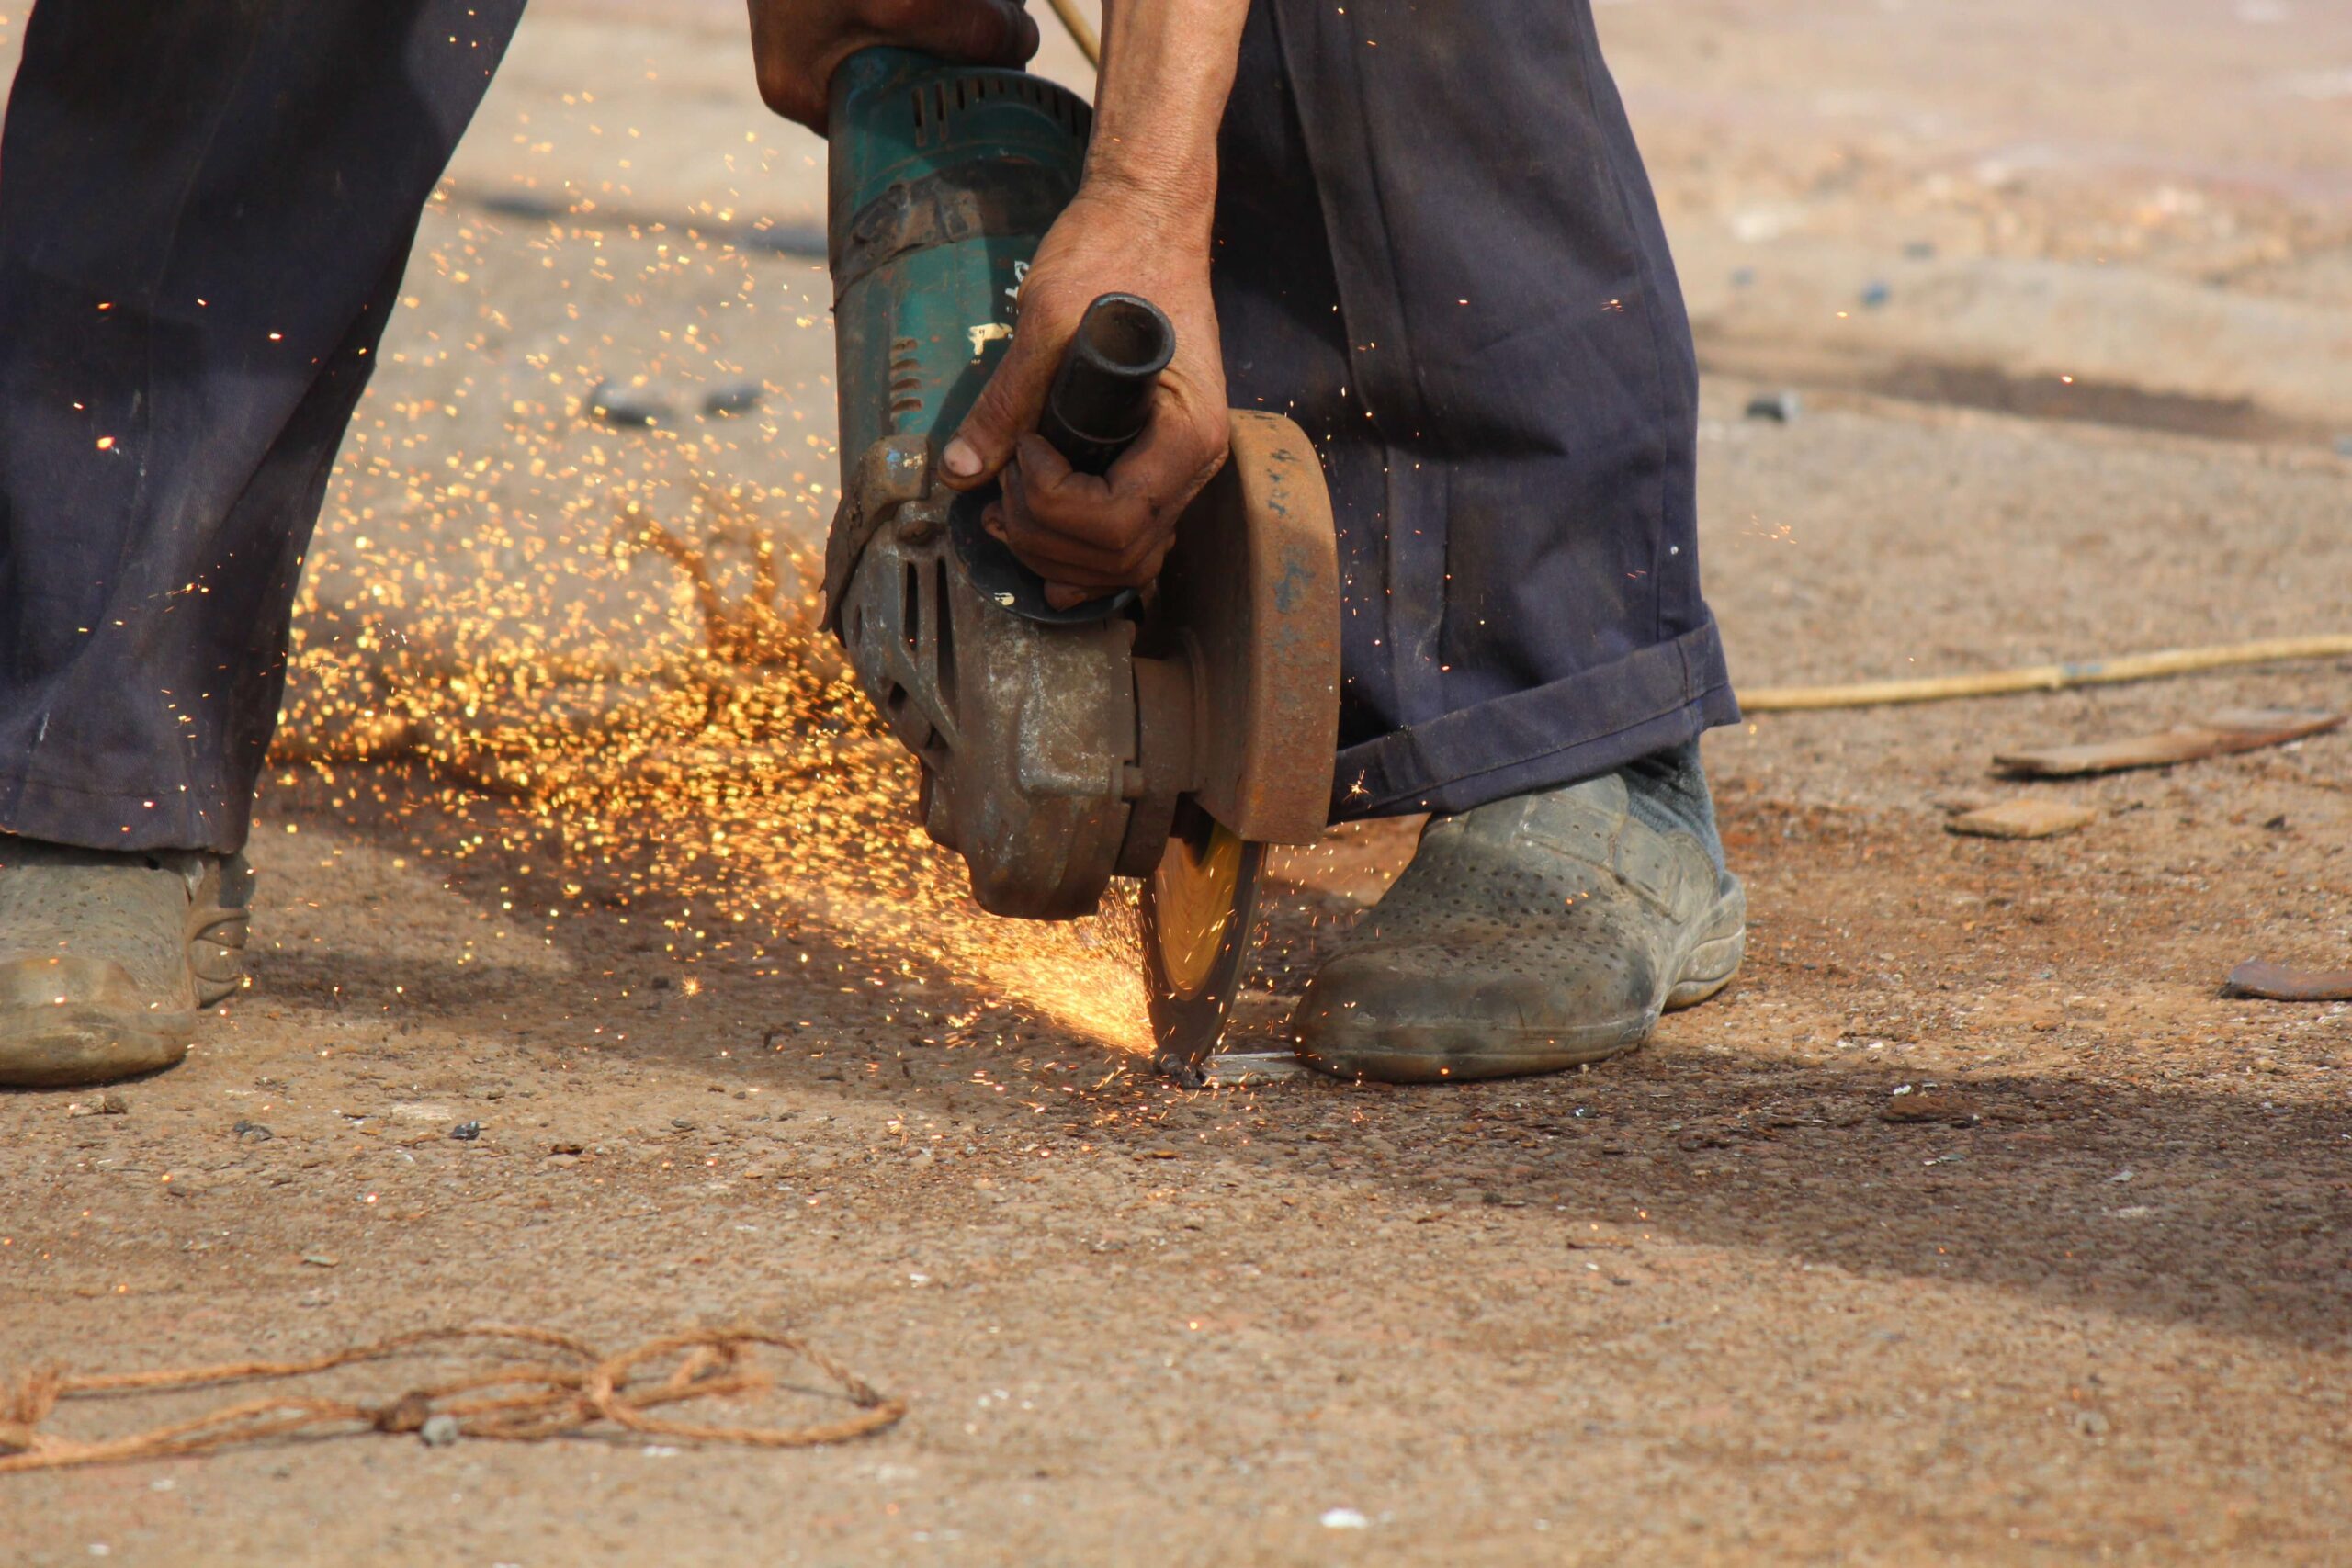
(1101, 399)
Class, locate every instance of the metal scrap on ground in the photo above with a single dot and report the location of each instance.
(2232, 730)
(2277, 983)
(2022, 818)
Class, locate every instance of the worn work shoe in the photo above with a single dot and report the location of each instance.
(104, 956)
(1534, 933)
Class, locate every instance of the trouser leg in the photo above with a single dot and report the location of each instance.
(1437, 250)
(205, 209)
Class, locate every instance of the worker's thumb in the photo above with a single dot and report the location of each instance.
(1009, 406)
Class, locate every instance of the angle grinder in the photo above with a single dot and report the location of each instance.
(1167, 734)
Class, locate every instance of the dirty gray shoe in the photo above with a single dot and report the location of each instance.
(105, 956)
(1534, 933)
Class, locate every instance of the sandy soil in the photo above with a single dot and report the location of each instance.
(738, 1052)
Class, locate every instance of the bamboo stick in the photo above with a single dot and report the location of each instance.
(2044, 677)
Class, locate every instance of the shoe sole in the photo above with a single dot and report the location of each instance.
(70, 1047)
(1469, 1051)
(1715, 958)
(77, 1044)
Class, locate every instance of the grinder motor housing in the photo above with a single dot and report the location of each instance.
(1055, 747)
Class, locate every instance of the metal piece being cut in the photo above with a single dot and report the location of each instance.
(1199, 905)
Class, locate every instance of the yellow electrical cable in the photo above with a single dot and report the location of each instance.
(1081, 32)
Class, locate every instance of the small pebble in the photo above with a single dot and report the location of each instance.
(727, 399)
(466, 1132)
(2344, 446)
(1742, 277)
(522, 204)
(1876, 294)
(1930, 1104)
(113, 1104)
(252, 1133)
(439, 1431)
(627, 405)
(1343, 1520)
(1921, 250)
(1780, 408)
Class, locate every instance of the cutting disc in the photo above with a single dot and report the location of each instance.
(1198, 907)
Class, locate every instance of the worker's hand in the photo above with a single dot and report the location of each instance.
(1088, 536)
(797, 44)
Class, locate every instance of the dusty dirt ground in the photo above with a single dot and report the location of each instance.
(737, 1052)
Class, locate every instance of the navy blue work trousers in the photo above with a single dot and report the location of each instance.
(1435, 248)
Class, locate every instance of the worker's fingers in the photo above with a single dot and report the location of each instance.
(1180, 450)
(1056, 556)
(1041, 467)
(1080, 530)
(1045, 494)
(1082, 570)
(1113, 531)
(987, 32)
(1064, 589)
(797, 45)
(1053, 556)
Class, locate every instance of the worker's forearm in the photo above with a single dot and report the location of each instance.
(1167, 68)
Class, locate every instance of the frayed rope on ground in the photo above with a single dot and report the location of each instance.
(567, 1394)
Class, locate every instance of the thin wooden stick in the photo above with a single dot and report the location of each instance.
(2044, 677)
(1081, 30)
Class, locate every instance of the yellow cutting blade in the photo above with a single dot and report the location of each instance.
(1198, 906)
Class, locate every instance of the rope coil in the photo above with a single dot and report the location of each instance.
(571, 1392)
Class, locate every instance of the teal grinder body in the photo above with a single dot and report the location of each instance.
(943, 180)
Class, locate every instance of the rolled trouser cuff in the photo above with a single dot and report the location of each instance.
(212, 817)
(1590, 723)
